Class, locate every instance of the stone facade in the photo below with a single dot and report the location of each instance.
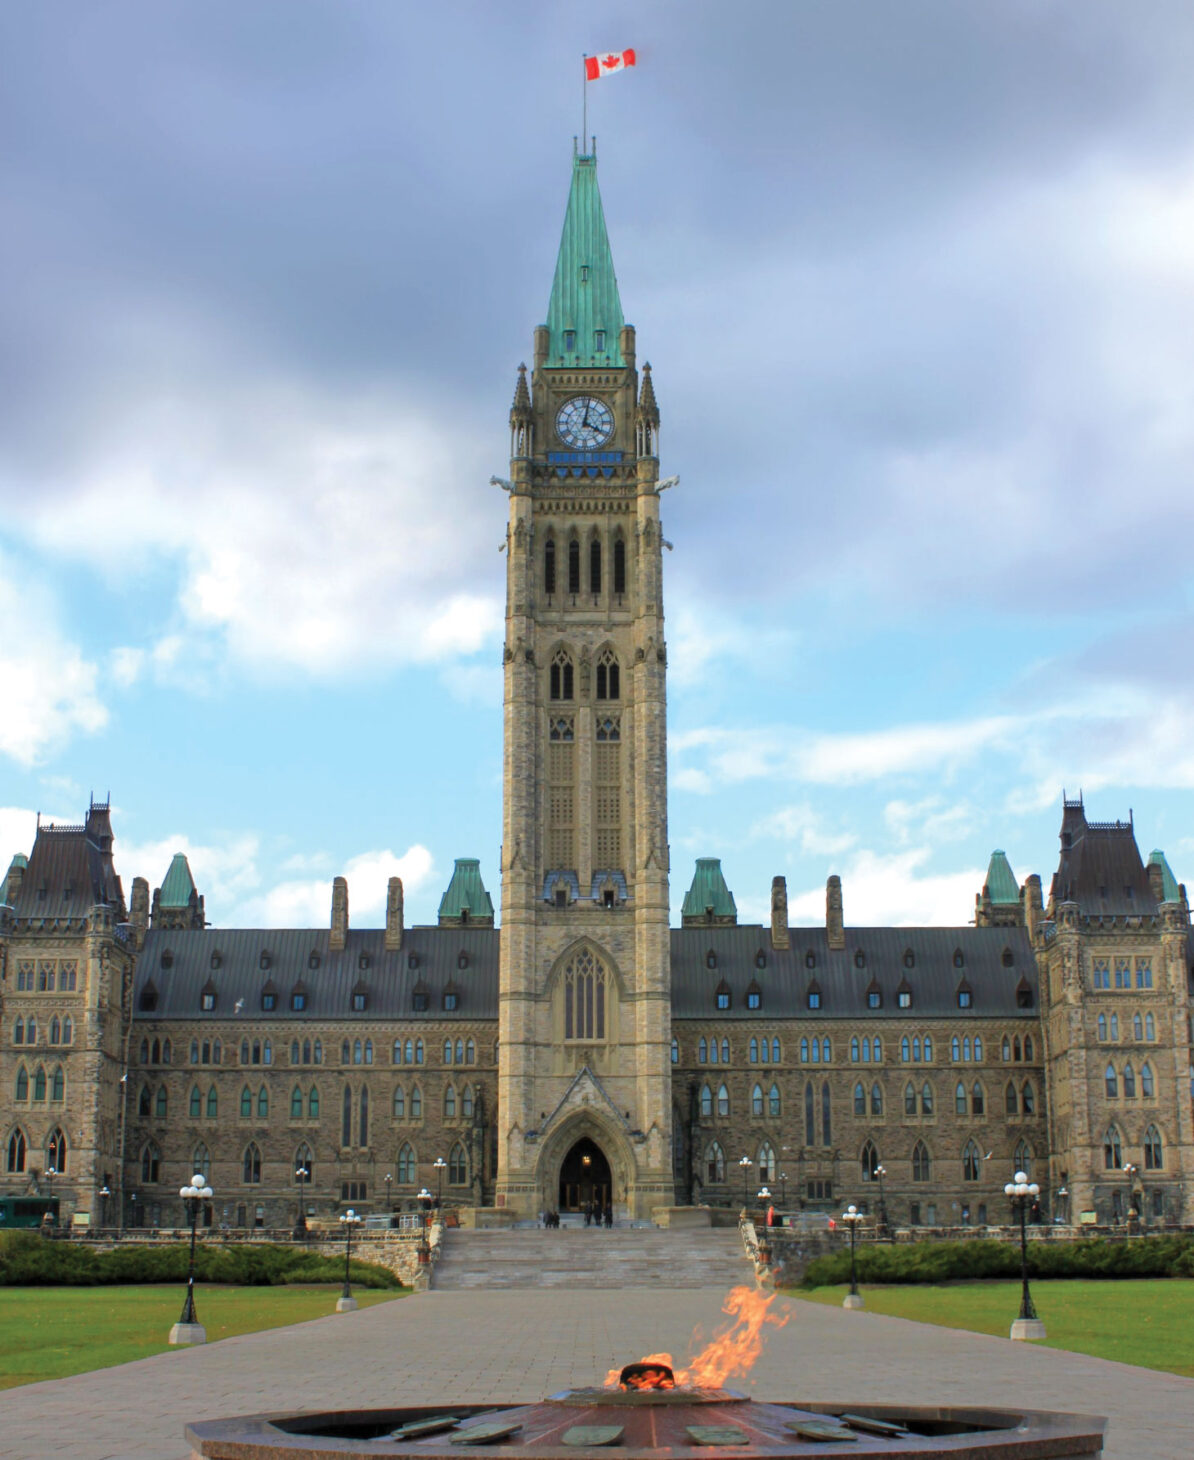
(583, 1049)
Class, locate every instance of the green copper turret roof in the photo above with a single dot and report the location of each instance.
(1001, 881)
(466, 892)
(709, 890)
(179, 886)
(584, 293)
(1168, 881)
(18, 864)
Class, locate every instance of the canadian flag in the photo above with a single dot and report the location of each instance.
(605, 65)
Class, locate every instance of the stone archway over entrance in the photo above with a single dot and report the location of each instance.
(585, 1178)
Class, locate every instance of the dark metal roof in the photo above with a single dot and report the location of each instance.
(1100, 867)
(390, 978)
(842, 983)
(70, 870)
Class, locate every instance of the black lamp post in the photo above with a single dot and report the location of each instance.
(852, 1216)
(881, 1172)
(440, 1166)
(389, 1181)
(346, 1303)
(302, 1176)
(1063, 1195)
(783, 1190)
(133, 1204)
(188, 1329)
(104, 1194)
(746, 1163)
(1022, 1193)
(424, 1200)
(48, 1220)
(1131, 1172)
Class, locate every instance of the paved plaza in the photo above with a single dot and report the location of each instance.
(481, 1346)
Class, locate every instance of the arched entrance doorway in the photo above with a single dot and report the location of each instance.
(585, 1177)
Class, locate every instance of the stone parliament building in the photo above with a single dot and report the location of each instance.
(580, 1048)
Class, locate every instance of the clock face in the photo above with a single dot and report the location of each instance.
(584, 422)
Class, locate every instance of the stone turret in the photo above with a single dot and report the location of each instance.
(780, 937)
(339, 932)
(466, 902)
(12, 882)
(998, 905)
(394, 915)
(177, 903)
(835, 928)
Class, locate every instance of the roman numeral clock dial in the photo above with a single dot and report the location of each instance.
(584, 423)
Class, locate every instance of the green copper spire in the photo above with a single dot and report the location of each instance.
(466, 899)
(708, 899)
(1171, 892)
(584, 317)
(179, 886)
(1001, 881)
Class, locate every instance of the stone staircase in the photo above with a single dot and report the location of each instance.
(581, 1257)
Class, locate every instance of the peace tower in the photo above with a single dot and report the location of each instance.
(584, 1088)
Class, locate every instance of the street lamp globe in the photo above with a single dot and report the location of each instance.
(188, 1329)
(852, 1216)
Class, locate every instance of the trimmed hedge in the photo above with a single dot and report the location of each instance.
(28, 1260)
(943, 1262)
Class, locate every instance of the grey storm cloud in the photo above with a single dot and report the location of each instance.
(867, 238)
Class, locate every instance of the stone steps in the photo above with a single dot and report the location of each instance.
(591, 1258)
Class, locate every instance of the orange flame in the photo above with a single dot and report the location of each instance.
(731, 1352)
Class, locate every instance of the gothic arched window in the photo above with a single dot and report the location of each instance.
(560, 676)
(706, 1101)
(1023, 1158)
(859, 1099)
(723, 1100)
(1011, 1102)
(810, 1120)
(16, 1151)
(826, 1123)
(1153, 1151)
(1147, 1088)
(1113, 1154)
(251, 1167)
(922, 1166)
(715, 1164)
(926, 1099)
(619, 564)
(406, 1165)
(151, 1159)
(608, 676)
(870, 1161)
(584, 997)
(573, 566)
(457, 1166)
(756, 1101)
(971, 1162)
(549, 566)
(766, 1164)
(595, 566)
(304, 1160)
(773, 1102)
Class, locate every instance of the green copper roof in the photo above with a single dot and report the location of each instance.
(584, 293)
(18, 864)
(709, 890)
(1001, 880)
(466, 892)
(179, 886)
(1168, 880)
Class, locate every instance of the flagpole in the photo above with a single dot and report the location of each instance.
(584, 107)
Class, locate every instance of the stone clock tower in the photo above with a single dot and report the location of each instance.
(584, 1104)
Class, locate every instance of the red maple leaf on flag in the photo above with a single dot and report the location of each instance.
(610, 60)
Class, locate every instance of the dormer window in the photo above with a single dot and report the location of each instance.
(904, 995)
(710, 959)
(760, 959)
(959, 961)
(722, 996)
(360, 998)
(754, 996)
(462, 960)
(599, 342)
(965, 999)
(569, 342)
(298, 998)
(269, 998)
(419, 998)
(909, 958)
(266, 959)
(148, 1001)
(810, 959)
(1009, 958)
(313, 961)
(1024, 994)
(412, 960)
(363, 961)
(451, 999)
(207, 998)
(874, 996)
(217, 959)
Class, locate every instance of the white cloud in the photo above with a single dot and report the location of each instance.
(931, 820)
(887, 891)
(50, 689)
(307, 903)
(305, 532)
(804, 828)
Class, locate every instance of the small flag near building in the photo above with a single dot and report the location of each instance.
(607, 64)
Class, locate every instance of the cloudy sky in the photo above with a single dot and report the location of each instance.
(917, 284)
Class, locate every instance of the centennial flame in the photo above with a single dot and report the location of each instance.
(730, 1353)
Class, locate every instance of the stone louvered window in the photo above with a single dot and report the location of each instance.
(607, 793)
(584, 997)
(561, 793)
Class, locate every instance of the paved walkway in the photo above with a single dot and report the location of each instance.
(435, 1348)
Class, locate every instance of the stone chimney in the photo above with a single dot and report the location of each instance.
(339, 915)
(1034, 906)
(835, 930)
(394, 915)
(779, 913)
(139, 911)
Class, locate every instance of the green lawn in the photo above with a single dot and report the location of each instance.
(1144, 1321)
(47, 1333)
